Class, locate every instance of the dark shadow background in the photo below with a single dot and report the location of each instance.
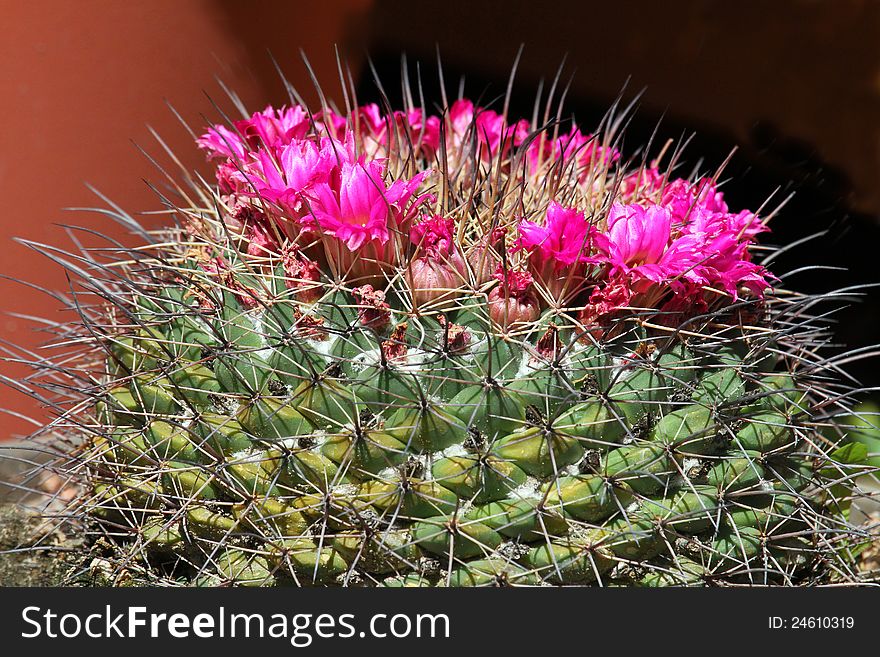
(793, 84)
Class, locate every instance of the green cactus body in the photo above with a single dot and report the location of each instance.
(301, 454)
(282, 399)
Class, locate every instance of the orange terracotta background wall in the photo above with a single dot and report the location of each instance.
(80, 81)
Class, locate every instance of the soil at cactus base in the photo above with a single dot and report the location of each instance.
(28, 556)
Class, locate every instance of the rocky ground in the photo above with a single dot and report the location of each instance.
(32, 551)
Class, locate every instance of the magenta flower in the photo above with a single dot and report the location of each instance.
(461, 117)
(270, 129)
(720, 238)
(330, 123)
(377, 130)
(642, 244)
(681, 196)
(744, 226)
(362, 208)
(564, 239)
(513, 283)
(583, 150)
(424, 131)
(284, 180)
(356, 211)
(559, 250)
(273, 128)
(639, 244)
(728, 266)
(220, 141)
(434, 237)
(372, 119)
(647, 182)
(322, 183)
(636, 236)
(492, 131)
(698, 208)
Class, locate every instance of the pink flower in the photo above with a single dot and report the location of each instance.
(220, 141)
(324, 182)
(681, 196)
(361, 208)
(362, 222)
(270, 129)
(639, 245)
(727, 265)
(642, 184)
(373, 130)
(491, 130)
(719, 237)
(273, 128)
(407, 129)
(330, 123)
(424, 132)
(711, 251)
(558, 250)
(372, 119)
(434, 237)
(745, 225)
(564, 238)
(584, 150)
(284, 180)
(636, 236)
(699, 208)
(461, 117)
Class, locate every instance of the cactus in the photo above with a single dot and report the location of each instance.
(412, 349)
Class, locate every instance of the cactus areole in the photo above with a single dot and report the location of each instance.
(448, 348)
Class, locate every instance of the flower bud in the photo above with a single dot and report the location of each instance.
(482, 259)
(514, 301)
(433, 282)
